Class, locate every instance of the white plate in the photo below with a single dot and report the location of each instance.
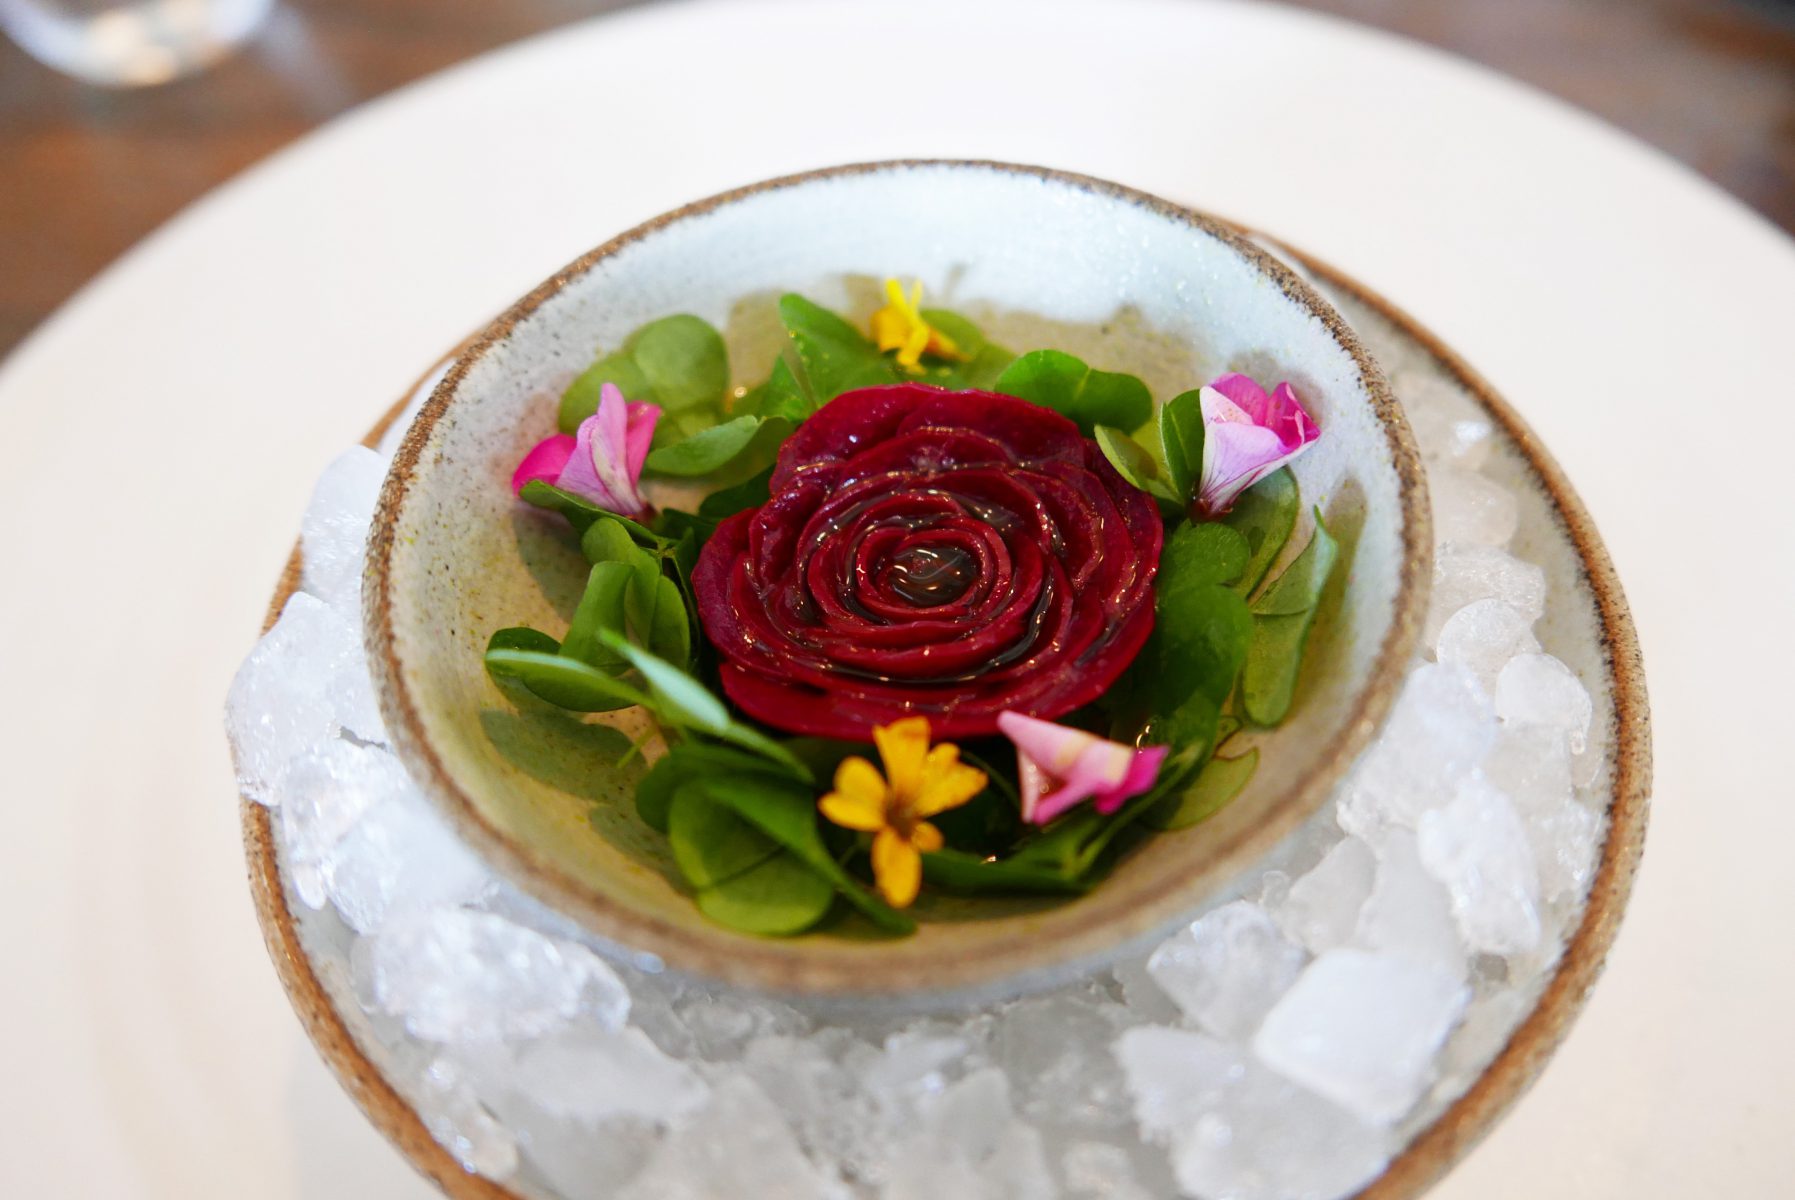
(161, 432)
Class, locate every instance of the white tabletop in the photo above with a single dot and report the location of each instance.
(161, 434)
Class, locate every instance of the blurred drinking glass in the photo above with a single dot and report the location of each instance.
(131, 43)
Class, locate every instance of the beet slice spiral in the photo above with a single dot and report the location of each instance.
(930, 553)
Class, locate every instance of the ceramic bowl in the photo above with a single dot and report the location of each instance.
(1041, 258)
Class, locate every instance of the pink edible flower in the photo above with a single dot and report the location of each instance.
(1246, 436)
(1076, 765)
(603, 461)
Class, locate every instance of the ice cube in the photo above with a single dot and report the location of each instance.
(1478, 847)
(1145, 999)
(1531, 764)
(589, 1073)
(1227, 969)
(1240, 1131)
(912, 1063)
(1482, 636)
(399, 857)
(1273, 889)
(1489, 1022)
(1470, 509)
(1448, 429)
(580, 1163)
(1055, 1049)
(1441, 727)
(1322, 909)
(968, 1144)
(1537, 689)
(320, 796)
(304, 682)
(1101, 1171)
(833, 1117)
(334, 532)
(1467, 573)
(461, 1125)
(715, 1024)
(1410, 912)
(458, 975)
(1565, 837)
(736, 1146)
(1361, 1028)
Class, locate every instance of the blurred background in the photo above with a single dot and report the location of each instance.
(86, 170)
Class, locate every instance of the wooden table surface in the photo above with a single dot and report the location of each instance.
(84, 173)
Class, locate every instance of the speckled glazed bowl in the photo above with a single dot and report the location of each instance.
(1040, 259)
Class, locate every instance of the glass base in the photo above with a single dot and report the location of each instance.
(131, 44)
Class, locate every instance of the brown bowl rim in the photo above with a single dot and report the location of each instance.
(1130, 909)
(1434, 1150)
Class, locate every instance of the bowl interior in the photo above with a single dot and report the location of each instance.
(1041, 259)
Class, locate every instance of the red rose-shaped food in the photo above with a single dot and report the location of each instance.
(933, 553)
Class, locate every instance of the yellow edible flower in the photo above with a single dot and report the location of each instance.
(899, 326)
(918, 783)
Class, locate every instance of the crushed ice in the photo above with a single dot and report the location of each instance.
(1282, 1046)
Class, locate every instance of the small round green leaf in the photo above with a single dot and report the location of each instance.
(1213, 790)
(705, 452)
(683, 359)
(775, 898)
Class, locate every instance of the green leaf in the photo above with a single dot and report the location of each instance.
(677, 696)
(775, 898)
(522, 637)
(835, 356)
(1181, 438)
(1205, 635)
(684, 361)
(606, 540)
(1284, 615)
(681, 700)
(654, 792)
(985, 360)
(658, 617)
(966, 336)
(683, 556)
(786, 812)
(565, 682)
(750, 493)
(990, 822)
(1264, 514)
(785, 396)
(1203, 629)
(677, 362)
(957, 871)
(1193, 722)
(1201, 552)
(601, 608)
(821, 756)
(580, 400)
(705, 452)
(678, 525)
(1298, 590)
(1057, 380)
(1133, 462)
(581, 512)
(686, 761)
(711, 842)
(1214, 789)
